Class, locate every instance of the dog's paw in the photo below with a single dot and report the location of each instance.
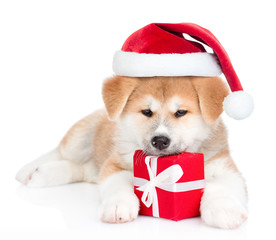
(25, 173)
(227, 213)
(119, 209)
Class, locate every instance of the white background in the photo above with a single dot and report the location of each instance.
(54, 56)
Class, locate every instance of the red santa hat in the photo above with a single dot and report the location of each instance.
(160, 49)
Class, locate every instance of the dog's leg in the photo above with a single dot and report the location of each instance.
(56, 173)
(224, 200)
(119, 203)
(71, 161)
(51, 170)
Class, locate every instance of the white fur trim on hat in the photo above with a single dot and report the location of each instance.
(134, 64)
(238, 105)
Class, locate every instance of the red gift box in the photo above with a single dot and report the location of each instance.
(170, 186)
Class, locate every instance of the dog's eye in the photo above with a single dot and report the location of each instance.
(180, 113)
(147, 112)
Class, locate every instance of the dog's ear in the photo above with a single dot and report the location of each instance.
(211, 92)
(116, 91)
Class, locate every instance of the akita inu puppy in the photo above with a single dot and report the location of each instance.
(162, 116)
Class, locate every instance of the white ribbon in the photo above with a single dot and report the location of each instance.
(165, 180)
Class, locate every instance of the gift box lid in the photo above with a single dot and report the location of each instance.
(194, 162)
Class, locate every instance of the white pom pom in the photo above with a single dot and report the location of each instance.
(238, 105)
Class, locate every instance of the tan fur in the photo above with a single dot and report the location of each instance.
(116, 91)
(110, 166)
(79, 143)
(211, 93)
(75, 129)
(216, 145)
(103, 142)
(164, 88)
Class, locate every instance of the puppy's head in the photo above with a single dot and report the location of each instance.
(164, 115)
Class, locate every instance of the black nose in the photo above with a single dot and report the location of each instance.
(160, 142)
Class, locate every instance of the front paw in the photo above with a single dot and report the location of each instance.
(227, 212)
(120, 208)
